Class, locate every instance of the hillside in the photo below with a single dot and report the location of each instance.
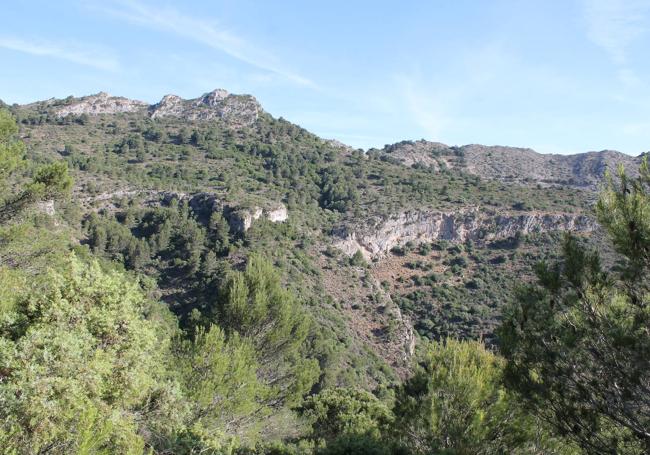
(217, 279)
(511, 164)
(426, 217)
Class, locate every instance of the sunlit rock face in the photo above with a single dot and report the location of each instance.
(457, 226)
(101, 103)
(234, 110)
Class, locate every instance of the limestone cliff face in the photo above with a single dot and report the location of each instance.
(239, 218)
(456, 226)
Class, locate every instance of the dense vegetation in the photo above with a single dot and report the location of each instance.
(156, 328)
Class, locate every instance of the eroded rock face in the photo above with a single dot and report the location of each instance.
(458, 226)
(203, 205)
(277, 214)
(236, 110)
(101, 103)
(239, 219)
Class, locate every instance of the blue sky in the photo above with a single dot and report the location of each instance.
(560, 76)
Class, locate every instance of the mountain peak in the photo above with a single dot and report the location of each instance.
(100, 103)
(236, 110)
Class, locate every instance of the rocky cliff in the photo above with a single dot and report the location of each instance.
(375, 239)
(240, 219)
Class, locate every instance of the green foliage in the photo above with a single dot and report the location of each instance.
(344, 412)
(11, 150)
(79, 356)
(577, 341)
(455, 404)
(624, 212)
(359, 445)
(257, 307)
(49, 182)
(221, 387)
(357, 259)
(88, 364)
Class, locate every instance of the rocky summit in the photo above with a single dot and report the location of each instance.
(235, 110)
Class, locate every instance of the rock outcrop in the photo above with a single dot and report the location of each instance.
(241, 220)
(235, 110)
(459, 226)
(101, 103)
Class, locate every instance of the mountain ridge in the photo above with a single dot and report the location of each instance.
(219, 99)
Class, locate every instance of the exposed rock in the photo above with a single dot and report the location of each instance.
(459, 226)
(101, 103)
(415, 152)
(46, 207)
(277, 214)
(235, 110)
(241, 220)
(202, 204)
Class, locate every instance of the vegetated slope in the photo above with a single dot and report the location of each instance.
(184, 189)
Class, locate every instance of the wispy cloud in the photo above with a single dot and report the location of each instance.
(75, 53)
(614, 25)
(205, 32)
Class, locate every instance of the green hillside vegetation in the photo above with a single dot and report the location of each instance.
(135, 327)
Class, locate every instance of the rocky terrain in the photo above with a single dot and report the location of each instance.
(101, 103)
(235, 110)
(203, 205)
(376, 239)
(512, 164)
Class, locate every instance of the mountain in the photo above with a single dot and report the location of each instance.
(198, 276)
(418, 239)
(511, 164)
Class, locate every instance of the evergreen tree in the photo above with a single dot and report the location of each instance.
(577, 341)
(80, 355)
(49, 181)
(455, 403)
(256, 307)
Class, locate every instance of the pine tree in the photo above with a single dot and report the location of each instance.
(256, 307)
(577, 342)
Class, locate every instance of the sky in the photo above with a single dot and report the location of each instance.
(559, 76)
